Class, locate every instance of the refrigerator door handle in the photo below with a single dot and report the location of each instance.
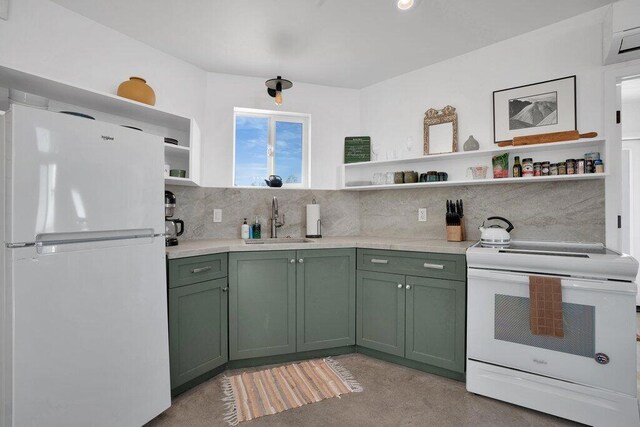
(54, 239)
(66, 242)
(19, 245)
(71, 242)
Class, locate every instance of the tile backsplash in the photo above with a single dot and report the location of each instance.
(572, 211)
(339, 211)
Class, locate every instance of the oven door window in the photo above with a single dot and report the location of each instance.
(512, 324)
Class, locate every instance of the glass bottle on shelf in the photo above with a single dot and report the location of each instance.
(517, 168)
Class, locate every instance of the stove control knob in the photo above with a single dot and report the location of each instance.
(602, 358)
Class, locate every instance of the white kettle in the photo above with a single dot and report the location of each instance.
(495, 236)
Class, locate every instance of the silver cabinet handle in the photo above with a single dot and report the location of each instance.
(435, 266)
(225, 289)
(379, 261)
(200, 270)
(399, 285)
(293, 261)
(301, 260)
(408, 287)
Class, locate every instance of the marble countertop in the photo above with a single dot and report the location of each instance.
(212, 246)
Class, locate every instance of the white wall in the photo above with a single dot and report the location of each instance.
(394, 109)
(335, 113)
(43, 38)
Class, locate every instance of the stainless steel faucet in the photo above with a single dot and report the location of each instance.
(274, 218)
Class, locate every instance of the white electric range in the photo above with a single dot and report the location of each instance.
(589, 375)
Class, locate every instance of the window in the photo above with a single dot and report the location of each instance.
(270, 143)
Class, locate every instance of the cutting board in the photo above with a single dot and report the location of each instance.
(545, 138)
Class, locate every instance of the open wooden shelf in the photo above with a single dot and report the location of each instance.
(488, 181)
(456, 163)
(176, 149)
(586, 143)
(174, 180)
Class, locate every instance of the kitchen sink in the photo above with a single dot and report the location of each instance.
(276, 241)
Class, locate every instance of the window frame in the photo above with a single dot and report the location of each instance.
(277, 116)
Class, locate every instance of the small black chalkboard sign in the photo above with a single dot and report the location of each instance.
(357, 149)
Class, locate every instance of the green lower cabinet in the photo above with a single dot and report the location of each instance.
(326, 299)
(435, 322)
(262, 304)
(381, 312)
(197, 329)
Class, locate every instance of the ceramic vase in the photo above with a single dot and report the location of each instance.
(471, 144)
(137, 89)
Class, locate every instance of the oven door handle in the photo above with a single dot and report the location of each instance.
(567, 282)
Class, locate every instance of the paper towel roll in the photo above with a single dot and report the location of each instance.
(313, 221)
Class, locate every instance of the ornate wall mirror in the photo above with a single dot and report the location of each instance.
(441, 131)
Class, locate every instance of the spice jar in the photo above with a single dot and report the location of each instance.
(537, 169)
(599, 166)
(580, 169)
(571, 166)
(527, 167)
(588, 166)
(553, 169)
(562, 168)
(545, 168)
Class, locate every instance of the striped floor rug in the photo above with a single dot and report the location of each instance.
(249, 395)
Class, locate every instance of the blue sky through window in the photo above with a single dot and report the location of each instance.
(251, 147)
(288, 162)
(252, 138)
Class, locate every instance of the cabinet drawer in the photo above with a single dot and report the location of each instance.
(186, 271)
(439, 266)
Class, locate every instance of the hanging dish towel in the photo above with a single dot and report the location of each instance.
(545, 296)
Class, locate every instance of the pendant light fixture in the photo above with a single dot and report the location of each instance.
(276, 86)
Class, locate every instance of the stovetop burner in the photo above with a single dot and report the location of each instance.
(585, 260)
(560, 247)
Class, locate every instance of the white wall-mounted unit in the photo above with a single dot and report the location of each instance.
(106, 107)
(621, 41)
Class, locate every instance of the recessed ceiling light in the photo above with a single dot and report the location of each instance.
(405, 4)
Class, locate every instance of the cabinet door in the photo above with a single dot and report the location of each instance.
(262, 304)
(326, 298)
(436, 322)
(197, 329)
(380, 312)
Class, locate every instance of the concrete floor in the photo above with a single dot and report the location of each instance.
(393, 396)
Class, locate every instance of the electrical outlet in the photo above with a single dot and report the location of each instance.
(217, 215)
(422, 214)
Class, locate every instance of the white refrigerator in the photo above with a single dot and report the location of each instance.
(84, 306)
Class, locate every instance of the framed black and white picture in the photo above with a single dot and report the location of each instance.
(533, 109)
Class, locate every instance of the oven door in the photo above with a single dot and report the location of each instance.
(598, 319)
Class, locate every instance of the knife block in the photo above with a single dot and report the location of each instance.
(456, 233)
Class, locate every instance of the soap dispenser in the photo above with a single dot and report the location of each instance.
(244, 233)
(257, 233)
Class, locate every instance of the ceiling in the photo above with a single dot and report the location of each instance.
(345, 43)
